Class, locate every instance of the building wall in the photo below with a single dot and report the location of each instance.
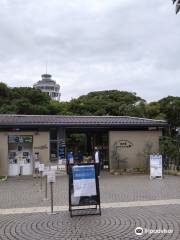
(126, 148)
(40, 144)
(3, 153)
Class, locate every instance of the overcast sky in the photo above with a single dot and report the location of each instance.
(92, 45)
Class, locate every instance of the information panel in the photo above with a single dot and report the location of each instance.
(41, 167)
(36, 164)
(20, 139)
(84, 181)
(51, 177)
(156, 166)
(84, 188)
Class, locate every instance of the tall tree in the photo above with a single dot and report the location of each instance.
(112, 102)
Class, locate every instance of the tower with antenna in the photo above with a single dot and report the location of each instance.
(177, 5)
(49, 86)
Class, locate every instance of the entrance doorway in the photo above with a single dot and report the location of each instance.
(82, 144)
(20, 155)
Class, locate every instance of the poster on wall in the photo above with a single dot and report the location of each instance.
(156, 168)
(62, 149)
(84, 181)
(62, 152)
(20, 139)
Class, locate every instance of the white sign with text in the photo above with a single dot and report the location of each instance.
(156, 168)
(46, 170)
(51, 177)
(41, 167)
(36, 164)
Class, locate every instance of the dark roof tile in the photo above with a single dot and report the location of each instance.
(117, 121)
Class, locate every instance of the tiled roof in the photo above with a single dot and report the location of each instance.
(105, 121)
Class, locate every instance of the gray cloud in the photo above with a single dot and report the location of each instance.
(92, 45)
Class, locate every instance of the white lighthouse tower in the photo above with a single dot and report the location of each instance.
(46, 84)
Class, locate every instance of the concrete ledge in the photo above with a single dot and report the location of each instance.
(103, 206)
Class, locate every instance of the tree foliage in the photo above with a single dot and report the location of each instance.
(107, 103)
(26, 100)
(170, 149)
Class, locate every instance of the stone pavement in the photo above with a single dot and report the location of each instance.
(24, 192)
(117, 223)
(127, 202)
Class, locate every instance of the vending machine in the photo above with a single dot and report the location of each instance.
(20, 155)
(13, 165)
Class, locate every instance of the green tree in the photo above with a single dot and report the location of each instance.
(112, 102)
(23, 106)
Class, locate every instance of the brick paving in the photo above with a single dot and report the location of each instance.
(116, 222)
(113, 224)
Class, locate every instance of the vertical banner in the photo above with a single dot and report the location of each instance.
(84, 181)
(156, 168)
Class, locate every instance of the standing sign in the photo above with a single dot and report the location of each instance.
(41, 170)
(45, 173)
(156, 168)
(54, 168)
(46, 170)
(84, 188)
(36, 164)
(41, 167)
(84, 181)
(51, 177)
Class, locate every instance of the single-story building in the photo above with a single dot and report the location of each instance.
(122, 141)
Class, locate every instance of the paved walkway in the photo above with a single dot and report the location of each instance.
(115, 223)
(128, 202)
(18, 193)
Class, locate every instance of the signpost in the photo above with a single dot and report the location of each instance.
(54, 168)
(156, 167)
(51, 178)
(41, 170)
(36, 165)
(45, 173)
(41, 167)
(36, 169)
(84, 189)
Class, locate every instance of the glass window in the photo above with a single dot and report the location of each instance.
(53, 151)
(53, 134)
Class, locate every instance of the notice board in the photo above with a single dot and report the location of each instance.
(84, 191)
(156, 166)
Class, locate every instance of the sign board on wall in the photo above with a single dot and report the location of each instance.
(62, 149)
(156, 167)
(20, 139)
(62, 152)
(124, 144)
